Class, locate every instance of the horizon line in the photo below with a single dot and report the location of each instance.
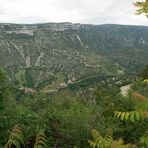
(64, 22)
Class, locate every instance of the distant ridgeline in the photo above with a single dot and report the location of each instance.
(63, 53)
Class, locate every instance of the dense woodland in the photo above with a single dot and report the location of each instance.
(101, 117)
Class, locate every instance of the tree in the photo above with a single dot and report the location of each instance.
(144, 73)
(142, 8)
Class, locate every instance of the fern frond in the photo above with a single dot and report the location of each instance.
(99, 141)
(144, 139)
(123, 115)
(132, 116)
(96, 135)
(109, 135)
(127, 116)
(40, 140)
(93, 144)
(107, 141)
(16, 137)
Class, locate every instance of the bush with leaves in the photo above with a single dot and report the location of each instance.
(139, 114)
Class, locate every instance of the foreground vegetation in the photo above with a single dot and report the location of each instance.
(66, 119)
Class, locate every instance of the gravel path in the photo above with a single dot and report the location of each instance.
(125, 89)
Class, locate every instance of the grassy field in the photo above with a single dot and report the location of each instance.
(20, 76)
(60, 78)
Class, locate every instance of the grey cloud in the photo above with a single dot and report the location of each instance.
(83, 11)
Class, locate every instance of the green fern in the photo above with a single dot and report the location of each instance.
(107, 141)
(109, 135)
(16, 138)
(132, 116)
(144, 139)
(40, 140)
(99, 141)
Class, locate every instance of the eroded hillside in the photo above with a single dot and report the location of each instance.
(65, 53)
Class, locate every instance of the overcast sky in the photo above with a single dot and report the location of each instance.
(76, 11)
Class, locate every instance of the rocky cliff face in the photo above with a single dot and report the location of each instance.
(75, 50)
